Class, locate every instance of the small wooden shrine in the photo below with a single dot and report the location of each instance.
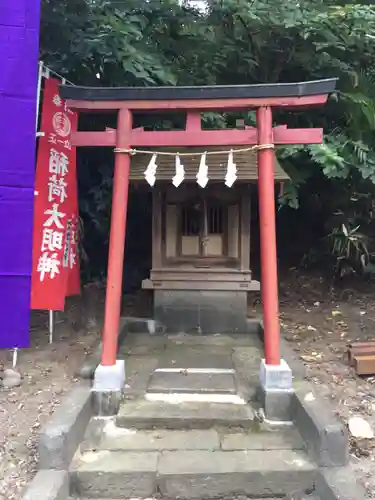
(201, 240)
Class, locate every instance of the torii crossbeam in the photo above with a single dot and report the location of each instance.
(194, 101)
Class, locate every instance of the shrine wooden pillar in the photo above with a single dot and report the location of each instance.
(266, 193)
(117, 240)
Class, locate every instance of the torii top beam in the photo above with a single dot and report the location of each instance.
(194, 100)
(199, 98)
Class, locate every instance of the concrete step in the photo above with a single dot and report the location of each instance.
(106, 436)
(191, 474)
(195, 383)
(241, 497)
(145, 414)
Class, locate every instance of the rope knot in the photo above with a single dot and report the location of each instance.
(265, 146)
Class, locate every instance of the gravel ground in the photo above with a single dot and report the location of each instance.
(48, 372)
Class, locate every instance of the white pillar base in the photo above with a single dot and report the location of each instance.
(109, 378)
(107, 389)
(276, 377)
(276, 392)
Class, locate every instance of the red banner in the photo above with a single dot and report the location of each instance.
(55, 272)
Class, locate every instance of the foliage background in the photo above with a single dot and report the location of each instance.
(330, 196)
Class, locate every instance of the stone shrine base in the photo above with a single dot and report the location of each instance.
(201, 311)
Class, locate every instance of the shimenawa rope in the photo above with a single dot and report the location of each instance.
(133, 152)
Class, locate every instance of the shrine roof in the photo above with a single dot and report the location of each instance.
(246, 162)
(173, 93)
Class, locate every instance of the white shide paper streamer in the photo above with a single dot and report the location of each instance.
(202, 175)
(150, 172)
(231, 175)
(180, 173)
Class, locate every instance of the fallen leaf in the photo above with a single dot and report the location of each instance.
(360, 428)
(308, 358)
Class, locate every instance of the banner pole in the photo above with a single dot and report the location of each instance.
(39, 88)
(15, 357)
(50, 326)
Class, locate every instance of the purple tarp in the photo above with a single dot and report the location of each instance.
(19, 49)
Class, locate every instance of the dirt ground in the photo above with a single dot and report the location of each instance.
(48, 372)
(317, 323)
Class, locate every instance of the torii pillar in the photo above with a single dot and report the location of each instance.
(276, 388)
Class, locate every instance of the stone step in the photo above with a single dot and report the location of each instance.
(106, 435)
(187, 382)
(191, 474)
(241, 497)
(145, 414)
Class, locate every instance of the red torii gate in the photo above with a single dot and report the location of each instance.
(194, 100)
